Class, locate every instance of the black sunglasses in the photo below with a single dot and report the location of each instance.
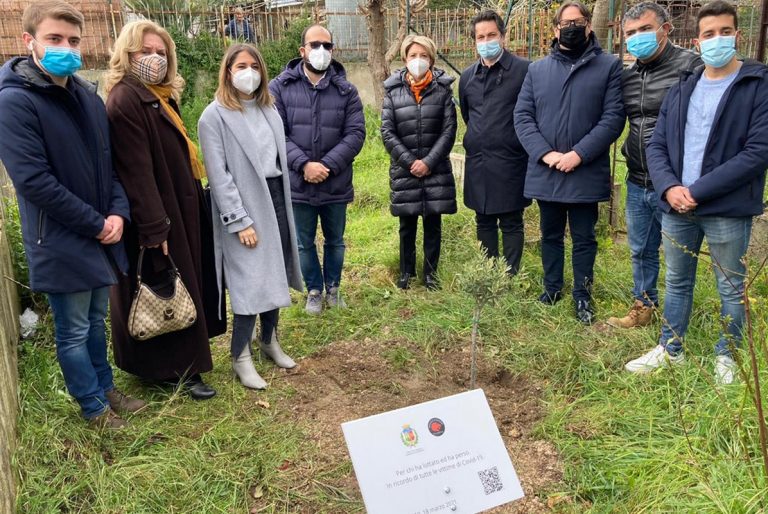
(317, 44)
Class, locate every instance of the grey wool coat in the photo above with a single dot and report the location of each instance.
(257, 278)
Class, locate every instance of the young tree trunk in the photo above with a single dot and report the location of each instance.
(600, 22)
(381, 54)
(473, 365)
(377, 46)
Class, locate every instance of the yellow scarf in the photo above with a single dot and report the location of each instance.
(163, 93)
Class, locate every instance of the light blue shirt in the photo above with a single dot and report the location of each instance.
(698, 124)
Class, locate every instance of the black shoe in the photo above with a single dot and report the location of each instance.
(431, 282)
(199, 390)
(550, 298)
(584, 312)
(404, 281)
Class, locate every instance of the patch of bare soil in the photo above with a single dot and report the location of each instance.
(350, 380)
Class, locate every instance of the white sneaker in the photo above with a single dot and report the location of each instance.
(725, 370)
(656, 358)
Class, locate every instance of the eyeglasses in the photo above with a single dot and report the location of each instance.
(578, 22)
(317, 44)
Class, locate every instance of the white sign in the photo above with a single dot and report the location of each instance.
(441, 456)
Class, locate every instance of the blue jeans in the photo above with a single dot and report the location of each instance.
(333, 221)
(81, 346)
(728, 240)
(644, 234)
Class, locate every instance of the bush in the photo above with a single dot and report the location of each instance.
(199, 59)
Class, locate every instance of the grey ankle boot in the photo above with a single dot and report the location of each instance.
(274, 352)
(243, 368)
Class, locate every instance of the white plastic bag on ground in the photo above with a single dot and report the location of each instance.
(28, 322)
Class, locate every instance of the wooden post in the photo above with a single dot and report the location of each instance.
(9, 335)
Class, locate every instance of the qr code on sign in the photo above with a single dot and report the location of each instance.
(491, 480)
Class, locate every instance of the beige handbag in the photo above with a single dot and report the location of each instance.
(152, 315)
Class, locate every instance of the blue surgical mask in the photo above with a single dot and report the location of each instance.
(718, 51)
(60, 61)
(643, 44)
(489, 50)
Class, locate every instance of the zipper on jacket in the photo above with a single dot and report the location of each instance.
(40, 218)
(641, 140)
(418, 145)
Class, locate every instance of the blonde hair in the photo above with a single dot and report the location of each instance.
(36, 12)
(130, 40)
(424, 41)
(226, 93)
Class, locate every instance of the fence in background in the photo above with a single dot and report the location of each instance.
(527, 34)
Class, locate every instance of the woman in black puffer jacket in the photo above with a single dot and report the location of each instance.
(418, 127)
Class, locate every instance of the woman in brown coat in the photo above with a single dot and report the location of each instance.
(159, 167)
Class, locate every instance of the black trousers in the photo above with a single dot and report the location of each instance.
(243, 325)
(581, 219)
(432, 235)
(512, 236)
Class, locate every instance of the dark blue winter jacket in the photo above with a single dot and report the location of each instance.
(736, 156)
(322, 124)
(54, 142)
(569, 105)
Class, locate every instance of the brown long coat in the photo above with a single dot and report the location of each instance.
(167, 203)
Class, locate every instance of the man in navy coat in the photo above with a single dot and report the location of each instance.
(569, 112)
(495, 160)
(707, 158)
(54, 142)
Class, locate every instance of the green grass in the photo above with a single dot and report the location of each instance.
(668, 442)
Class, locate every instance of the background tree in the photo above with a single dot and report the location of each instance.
(380, 53)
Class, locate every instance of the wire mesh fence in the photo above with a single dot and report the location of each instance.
(529, 32)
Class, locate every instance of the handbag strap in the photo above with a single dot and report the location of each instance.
(174, 269)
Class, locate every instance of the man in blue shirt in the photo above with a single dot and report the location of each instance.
(707, 159)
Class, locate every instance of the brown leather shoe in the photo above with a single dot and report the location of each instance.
(108, 420)
(122, 403)
(639, 315)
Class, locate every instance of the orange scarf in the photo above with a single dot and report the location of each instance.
(163, 93)
(418, 87)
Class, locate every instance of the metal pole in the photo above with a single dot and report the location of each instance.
(530, 29)
(509, 13)
(761, 36)
(613, 211)
(611, 16)
(407, 17)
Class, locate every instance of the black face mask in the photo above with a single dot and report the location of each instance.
(573, 37)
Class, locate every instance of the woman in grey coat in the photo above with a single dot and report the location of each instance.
(243, 143)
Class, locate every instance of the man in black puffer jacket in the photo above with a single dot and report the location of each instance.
(645, 84)
(418, 127)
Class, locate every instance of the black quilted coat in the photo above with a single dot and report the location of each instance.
(423, 131)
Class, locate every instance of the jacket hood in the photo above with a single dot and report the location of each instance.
(20, 72)
(398, 78)
(335, 74)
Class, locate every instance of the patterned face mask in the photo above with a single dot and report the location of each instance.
(150, 69)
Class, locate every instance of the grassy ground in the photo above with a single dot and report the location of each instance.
(668, 442)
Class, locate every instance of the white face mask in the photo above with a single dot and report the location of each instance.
(246, 81)
(417, 67)
(320, 58)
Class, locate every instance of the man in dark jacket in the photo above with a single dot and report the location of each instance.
(239, 28)
(324, 132)
(708, 157)
(568, 115)
(645, 84)
(54, 142)
(494, 171)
